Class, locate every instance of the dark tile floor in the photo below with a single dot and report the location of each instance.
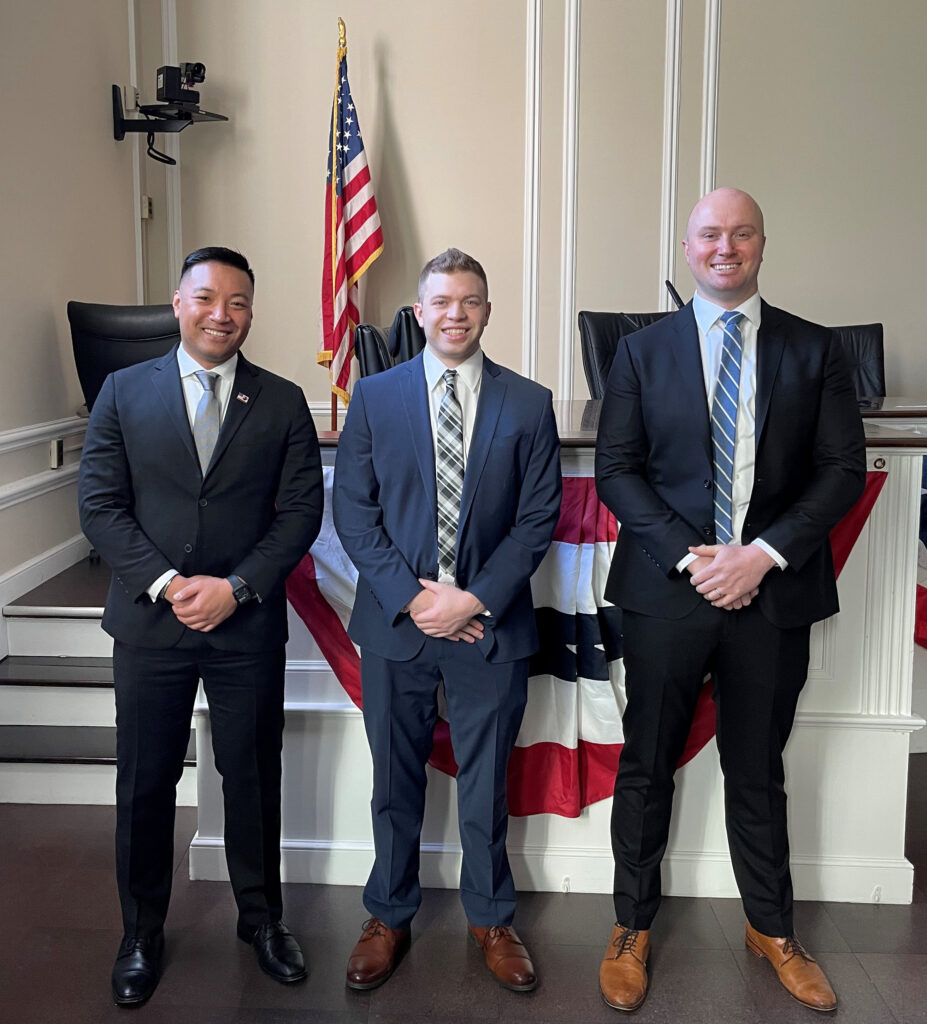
(58, 899)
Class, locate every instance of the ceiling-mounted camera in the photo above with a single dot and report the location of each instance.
(177, 106)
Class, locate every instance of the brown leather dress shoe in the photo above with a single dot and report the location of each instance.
(797, 971)
(623, 972)
(505, 956)
(377, 954)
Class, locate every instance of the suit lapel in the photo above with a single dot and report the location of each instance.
(414, 395)
(769, 346)
(688, 355)
(245, 389)
(492, 393)
(166, 378)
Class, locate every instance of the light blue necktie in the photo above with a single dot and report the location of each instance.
(724, 424)
(206, 421)
(450, 472)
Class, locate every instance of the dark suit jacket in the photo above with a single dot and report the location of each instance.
(385, 506)
(654, 464)
(146, 507)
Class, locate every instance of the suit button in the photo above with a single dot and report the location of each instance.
(431, 575)
(706, 484)
(707, 530)
(188, 548)
(203, 503)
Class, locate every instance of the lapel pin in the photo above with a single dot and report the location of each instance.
(242, 397)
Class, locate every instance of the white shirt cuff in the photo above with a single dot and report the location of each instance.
(684, 561)
(160, 583)
(772, 552)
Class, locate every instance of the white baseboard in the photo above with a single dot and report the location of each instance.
(541, 870)
(74, 784)
(30, 574)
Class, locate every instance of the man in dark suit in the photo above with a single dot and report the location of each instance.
(729, 445)
(447, 492)
(201, 487)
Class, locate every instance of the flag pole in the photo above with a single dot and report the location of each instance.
(342, 53)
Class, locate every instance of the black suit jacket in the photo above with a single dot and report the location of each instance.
(146, 506)
(654, 464)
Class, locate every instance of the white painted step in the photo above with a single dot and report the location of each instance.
(56, 632)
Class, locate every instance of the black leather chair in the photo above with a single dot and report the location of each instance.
(107, 338)
(379, 348)
(599, 335)
(862, 345)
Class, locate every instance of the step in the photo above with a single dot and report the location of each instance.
(66, 744)
(61, 617)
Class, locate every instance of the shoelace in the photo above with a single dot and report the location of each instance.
(626, 941)
(373, 927)
(497, 931)
(793, 947)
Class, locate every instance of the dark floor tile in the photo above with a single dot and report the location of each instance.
(813, 925)
(568, 987)
(858, 999)
(573, 918)
(699, 986)
(264, 1016)
(440, 976)
(882, 928)
(689, 923)
(902, 983)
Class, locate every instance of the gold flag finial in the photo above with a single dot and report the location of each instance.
(342, 40)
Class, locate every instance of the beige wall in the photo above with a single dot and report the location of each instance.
(67, 226)
(439, 90)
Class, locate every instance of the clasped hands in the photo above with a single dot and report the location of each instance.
(728, 575)
(443, 610)
(201, 602)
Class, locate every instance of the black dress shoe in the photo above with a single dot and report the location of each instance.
(137, 969)
(278, 953)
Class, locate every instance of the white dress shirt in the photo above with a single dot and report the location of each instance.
(711, 341)
(469, 379)
(192, 393)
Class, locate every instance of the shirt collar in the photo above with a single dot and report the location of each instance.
(469, 372)
(188, 365)
(706, 313)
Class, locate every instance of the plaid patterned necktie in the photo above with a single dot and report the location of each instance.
(450, 472)
(724, 424)
(206, 421)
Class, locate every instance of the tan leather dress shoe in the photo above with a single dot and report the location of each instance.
(505, 956)
(623, 972)
(377, 954)
(797, 971)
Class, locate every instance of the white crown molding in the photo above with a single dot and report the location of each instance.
(568, 218)
(531, 250)
(710, 71)
(671, 86)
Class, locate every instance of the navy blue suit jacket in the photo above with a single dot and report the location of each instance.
(146, 506)
(654, 464)
(385, 506)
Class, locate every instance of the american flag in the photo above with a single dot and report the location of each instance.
(353, 236)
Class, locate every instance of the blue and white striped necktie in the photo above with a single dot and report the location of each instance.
(724, 424)
(450, 472)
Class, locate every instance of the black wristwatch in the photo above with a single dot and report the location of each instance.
(240, 590)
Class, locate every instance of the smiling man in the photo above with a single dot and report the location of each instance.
(201, 487)
(447, 492)
(729, 446)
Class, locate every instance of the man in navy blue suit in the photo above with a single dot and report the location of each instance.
(447, 492)
(201, 487)
(729, 446)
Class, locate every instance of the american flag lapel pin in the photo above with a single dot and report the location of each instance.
(242, 397)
